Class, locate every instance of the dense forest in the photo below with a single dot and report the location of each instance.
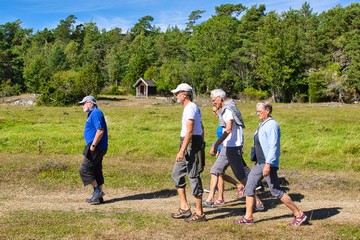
(293, 56)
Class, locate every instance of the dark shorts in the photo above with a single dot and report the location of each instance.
(91, 167)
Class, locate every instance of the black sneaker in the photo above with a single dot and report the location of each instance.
(96, 198)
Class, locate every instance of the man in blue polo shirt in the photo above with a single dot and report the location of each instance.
(96, 138)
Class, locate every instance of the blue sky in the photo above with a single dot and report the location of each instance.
(40, 14)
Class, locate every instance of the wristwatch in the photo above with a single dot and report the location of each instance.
(94, 146)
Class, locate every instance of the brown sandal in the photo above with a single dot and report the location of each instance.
(196, 218)
(181, 213)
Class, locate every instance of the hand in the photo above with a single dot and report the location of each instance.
(266, 170)
(179, 156)
(213, 151)
(92, 148)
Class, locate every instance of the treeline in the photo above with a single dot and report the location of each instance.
(293, 56)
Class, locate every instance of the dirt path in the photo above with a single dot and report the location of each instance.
(318, 206)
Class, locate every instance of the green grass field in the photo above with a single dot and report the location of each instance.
(323, 136)
(40, 153)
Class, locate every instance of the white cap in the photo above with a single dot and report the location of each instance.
(182, 87)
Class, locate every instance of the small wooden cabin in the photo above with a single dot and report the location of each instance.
(145, 88)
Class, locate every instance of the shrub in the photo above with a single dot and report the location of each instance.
(8, 90)
(67, 87)
(254, 94)
(52, 168)
(317, 87)
(63, 89)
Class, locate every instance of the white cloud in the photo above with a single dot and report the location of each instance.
(171, 18)
(108, 24)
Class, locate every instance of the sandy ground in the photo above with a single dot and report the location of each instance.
(318, 206)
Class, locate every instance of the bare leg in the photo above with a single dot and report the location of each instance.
(183, 201)
(220, 186)
(94, 183)
(230, 179)
(290, 204)
(257, 200)
(238, 185)
(199, 208)
(250, 200)
(213, 183)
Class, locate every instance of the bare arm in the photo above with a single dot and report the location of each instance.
(99, 134)
(225, 134)
(187, 138)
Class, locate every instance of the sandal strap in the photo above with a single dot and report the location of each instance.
(243, 220)
(196, 216)
(183, 210)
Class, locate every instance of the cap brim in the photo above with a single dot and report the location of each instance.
(175, 91)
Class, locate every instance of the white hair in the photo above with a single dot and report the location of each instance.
(266, 105)
(218, 93)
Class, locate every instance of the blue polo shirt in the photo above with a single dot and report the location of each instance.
(95, 121)
(219, 132)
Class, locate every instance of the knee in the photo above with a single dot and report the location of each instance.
(178, 181)
(197, 192)
(214, 176)
(279, 194)
(250, 191)
(250, 187)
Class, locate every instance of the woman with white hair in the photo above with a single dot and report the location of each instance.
(267, 148)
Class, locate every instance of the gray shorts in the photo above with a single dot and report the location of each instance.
(230, 156)
(272, 180)
(189, 167)
(219, 167)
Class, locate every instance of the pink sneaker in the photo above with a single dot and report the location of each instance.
(297, 221)
(219, 201)
(243, 220)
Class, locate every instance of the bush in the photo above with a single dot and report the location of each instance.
(64, 88)
(113, 90)
(254, 94)
(67, 87)
(317, 87)
(52, 168)
(8, 90)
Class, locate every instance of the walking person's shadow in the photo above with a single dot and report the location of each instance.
(165, 193)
